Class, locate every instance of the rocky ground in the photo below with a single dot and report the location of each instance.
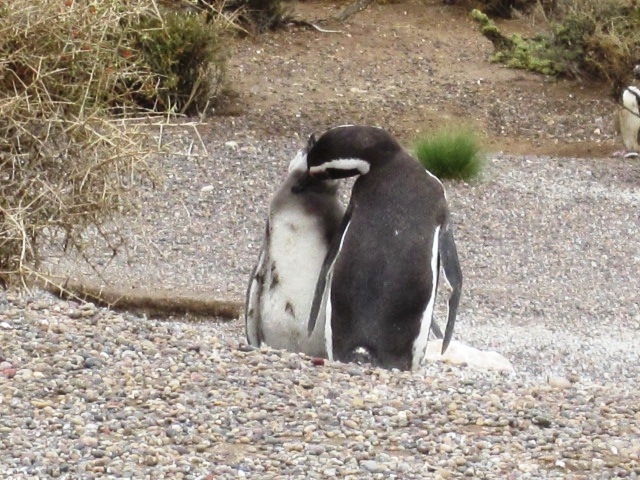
(549, 249)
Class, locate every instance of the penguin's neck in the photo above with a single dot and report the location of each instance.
(379, 176)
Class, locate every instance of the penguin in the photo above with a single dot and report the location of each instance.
(629, 117)
(299, 230)
(376, 291)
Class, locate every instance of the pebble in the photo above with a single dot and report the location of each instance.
(559, 382)
(371, 466)
(116, 415)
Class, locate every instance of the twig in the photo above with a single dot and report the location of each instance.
(304, 23)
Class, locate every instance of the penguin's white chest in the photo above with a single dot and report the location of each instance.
(298, 247)
(630, 119)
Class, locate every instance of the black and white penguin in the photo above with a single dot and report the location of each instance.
(378, 281)
(299, 229)
(630, 118)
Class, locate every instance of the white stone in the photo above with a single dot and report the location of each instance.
(558, 382)
(459, 353)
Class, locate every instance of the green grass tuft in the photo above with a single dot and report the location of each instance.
(451, 154)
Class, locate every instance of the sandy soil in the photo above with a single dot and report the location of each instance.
(413, 67)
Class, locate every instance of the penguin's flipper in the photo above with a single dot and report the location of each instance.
(254, 293)
(453, 274)
(324, 278)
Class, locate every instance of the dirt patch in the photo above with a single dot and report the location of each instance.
(412, 67)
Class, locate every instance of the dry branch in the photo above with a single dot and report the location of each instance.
(153, 303)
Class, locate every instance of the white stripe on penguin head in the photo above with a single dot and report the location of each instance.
(358, 164)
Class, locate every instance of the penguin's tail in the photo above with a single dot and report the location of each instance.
(362, 355)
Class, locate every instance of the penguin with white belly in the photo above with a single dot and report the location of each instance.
(629, 118)
(299, 230)
(376, 291)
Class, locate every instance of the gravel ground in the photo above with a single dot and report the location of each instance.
(549, 248)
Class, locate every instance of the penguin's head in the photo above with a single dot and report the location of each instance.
(347, 151)
(298, 172)
(636, 71)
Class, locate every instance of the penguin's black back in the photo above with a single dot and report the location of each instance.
(383, 276)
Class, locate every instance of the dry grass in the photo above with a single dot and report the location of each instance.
(606, 33)
(66, 162)
(254, 16)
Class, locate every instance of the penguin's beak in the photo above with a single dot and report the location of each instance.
(303, 183)
(308, 181)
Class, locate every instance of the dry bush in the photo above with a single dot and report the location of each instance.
(506, 8)
(184, 48)
(66, 163)
(597, 39)
(255, 16)
(604, 33)
(503, 8)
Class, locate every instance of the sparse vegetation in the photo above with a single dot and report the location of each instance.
(597, 39)
(603, 33)
(451, 153)
(506, 8)
(67, 162)
(185, 54)
(256, 16)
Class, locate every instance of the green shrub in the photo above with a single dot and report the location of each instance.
(454, 154)
(186, 55)
(534, 54)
